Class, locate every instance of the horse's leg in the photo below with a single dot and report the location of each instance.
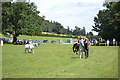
(74, 53)
(25, 50)
(81, 53)
(33, 50)
(28, 50)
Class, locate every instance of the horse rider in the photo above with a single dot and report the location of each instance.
(81, 45)
(87, 44)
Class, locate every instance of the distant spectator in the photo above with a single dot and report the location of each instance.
(108, 42)
(94, 42)
(99, 42)
(49, 41)
(116, 43)
(103, 41)
(24, 41)
(113, 41)
(1, 42)
(39, 42)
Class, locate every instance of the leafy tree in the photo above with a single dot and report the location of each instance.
(68, 31)
(54, 27)
(79, 31)
(107, 21)
(87, 34)
(90, 34)
(76, 31)
(21, 18)
(84, 31)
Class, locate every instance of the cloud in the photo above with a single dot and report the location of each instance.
(70, 12)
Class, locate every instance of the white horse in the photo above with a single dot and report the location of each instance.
(81, 49)
(27, 47)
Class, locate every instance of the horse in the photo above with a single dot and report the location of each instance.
(28, 46)
(75, 48)
(78, 47)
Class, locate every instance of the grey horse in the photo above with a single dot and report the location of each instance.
(27, 47)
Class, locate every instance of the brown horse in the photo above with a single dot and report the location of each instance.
(75, 48)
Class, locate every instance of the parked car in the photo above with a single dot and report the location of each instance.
(45, 41)
(53, 41)
(8, 40)
(8, 35)
(19, 41)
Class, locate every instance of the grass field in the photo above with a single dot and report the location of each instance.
(58, 61)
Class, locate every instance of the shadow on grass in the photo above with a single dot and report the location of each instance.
(75, 57)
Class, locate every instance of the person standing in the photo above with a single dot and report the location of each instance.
(87, 44)
(49, 41)
(1, 42)
(39, 42)
(99, 42)
(108, 42)
(81, 45)
(113, 41)
(94, 42)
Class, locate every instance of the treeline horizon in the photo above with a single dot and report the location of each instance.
(56, 27)
(14, 13)
(22, 18)
(107, 21)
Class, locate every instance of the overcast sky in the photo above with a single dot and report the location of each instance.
(70, 12)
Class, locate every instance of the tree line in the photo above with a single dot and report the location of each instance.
(22, 18)
(55, 27)
(107, 21)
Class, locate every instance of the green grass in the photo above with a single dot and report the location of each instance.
(58, 61)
